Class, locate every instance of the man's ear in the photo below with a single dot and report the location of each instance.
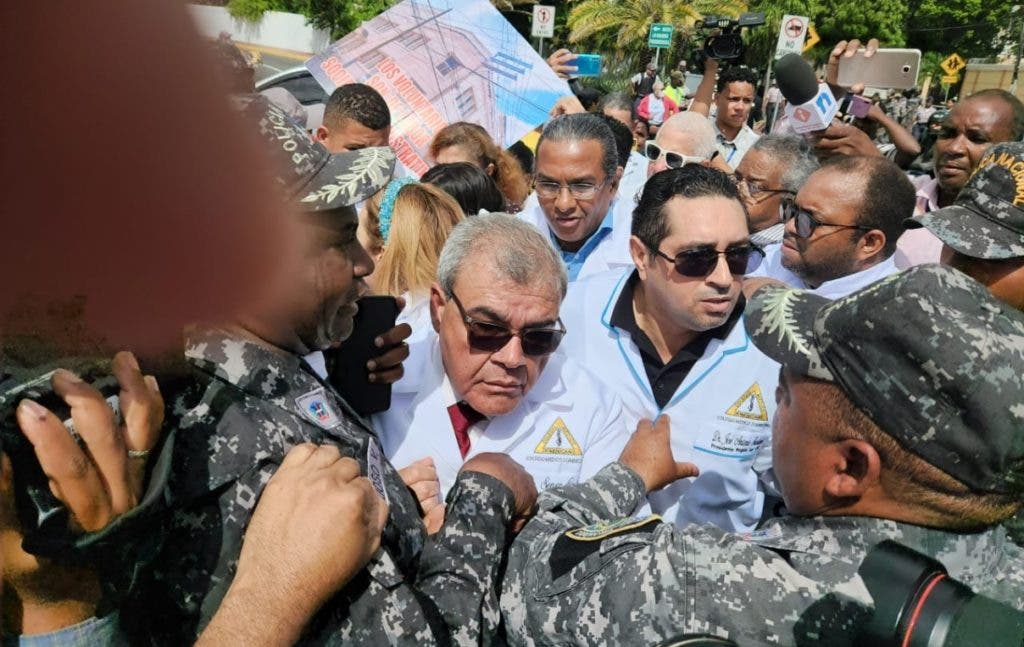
(638, 251)
(854, 469)
(321, 134)
(872, 243)
(437, 304)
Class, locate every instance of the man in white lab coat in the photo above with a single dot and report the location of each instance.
(576, 202)
(490, 379)
(667, 336)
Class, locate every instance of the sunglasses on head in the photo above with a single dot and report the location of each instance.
(490, 337)
(672, 159)
(696, 263)
(804, 221)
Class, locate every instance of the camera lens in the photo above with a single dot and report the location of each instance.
(906, 69)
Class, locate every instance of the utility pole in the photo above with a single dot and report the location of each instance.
(1020, 46)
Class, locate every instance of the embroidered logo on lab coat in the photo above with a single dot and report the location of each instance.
(558, 440)
(750, 405)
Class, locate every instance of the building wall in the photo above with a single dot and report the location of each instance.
(981, 77)
(278, 30)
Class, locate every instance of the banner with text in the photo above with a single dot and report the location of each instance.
(444, 61)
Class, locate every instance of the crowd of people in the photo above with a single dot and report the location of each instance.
(665, 374)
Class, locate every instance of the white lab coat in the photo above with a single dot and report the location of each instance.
(721, 413)
(592, 432)
(611, 253)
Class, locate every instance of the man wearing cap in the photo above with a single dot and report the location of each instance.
(842, 226)
(974, 124)
(892, 423)
(257, 388)
(642, 83)
(666, 336)
(982, 233)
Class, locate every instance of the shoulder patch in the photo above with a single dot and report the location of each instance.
(558, 440)
(750, 405)
(603, 530)
(317, 408)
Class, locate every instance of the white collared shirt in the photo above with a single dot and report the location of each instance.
(732, 151)
(318, 363)
(836, 288)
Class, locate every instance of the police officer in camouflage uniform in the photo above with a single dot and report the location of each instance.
(258, 389)
(900, 411)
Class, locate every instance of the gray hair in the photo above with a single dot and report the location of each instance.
(583, 127)
(617, 101)
(697, 127)
(516, 249)
(793, 153)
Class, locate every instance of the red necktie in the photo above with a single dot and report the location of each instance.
(463, 417)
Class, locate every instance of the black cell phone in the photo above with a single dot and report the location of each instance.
(346, 365)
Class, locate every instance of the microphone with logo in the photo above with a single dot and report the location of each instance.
(810, 105)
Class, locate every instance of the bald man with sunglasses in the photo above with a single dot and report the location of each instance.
(667, 336)
(491, 378)
(842, 226)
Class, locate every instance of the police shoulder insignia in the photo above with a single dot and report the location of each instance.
(603, 530)
(750, 405)
(316, 407)
(558, 440)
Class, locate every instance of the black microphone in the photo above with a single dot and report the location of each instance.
(810, 105)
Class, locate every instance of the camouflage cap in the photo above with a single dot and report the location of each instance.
(313, 178)
(928, 354)
(987, 219)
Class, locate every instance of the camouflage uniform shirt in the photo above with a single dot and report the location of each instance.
(792, 582)
(247, 406)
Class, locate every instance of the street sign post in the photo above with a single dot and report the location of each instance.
(953, 64)
(792, 32)
(812, 38)
(951, 79)
(659, 37)
(543, 24)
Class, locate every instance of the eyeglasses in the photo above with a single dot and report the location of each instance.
(696, 263)
(806, 223)
(756, 191)
(491, 337)
(672, 159)
(579, 190)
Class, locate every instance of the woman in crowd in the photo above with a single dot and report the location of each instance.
(471, 187)
(404, 228)
(467, 142)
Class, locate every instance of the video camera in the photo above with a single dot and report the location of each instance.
(918, 605)
(727, 44)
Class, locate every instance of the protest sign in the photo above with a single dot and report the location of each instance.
(444, 61)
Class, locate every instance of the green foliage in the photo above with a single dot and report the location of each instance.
(972, 28)
(339, 17)
(621, 27)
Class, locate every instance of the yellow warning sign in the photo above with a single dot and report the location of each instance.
(558, 440)
(750, 405)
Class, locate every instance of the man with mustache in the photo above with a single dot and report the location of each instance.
(971, 127)
(841, 227)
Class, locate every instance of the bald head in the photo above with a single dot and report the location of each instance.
(686, 133)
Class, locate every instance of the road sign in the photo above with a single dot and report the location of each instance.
(953, 64)
(792, 32)
(812, 38)
(952, 79)
(543, 21)
(660, 35)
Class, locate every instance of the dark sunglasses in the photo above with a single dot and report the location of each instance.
(491, 337)
(805, 222)
(695, 263)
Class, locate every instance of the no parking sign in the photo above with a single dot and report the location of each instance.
(792, 32)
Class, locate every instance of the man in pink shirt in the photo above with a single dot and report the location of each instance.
(972, 126)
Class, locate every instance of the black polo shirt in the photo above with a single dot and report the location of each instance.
(666, 378)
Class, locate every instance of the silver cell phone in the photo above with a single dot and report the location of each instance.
(888, 68)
